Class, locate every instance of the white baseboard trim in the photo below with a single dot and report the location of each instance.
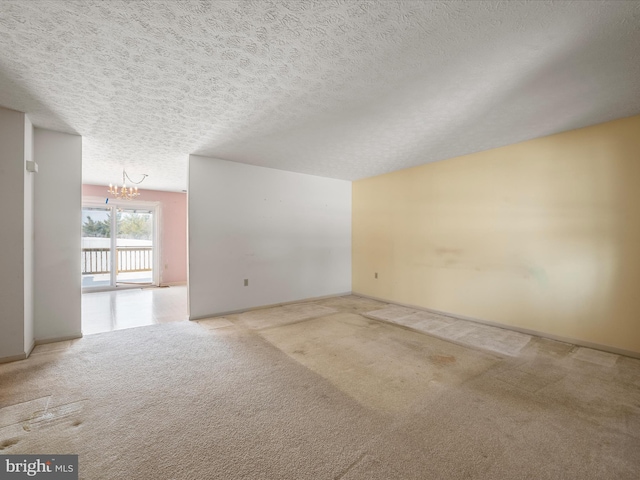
(172, 284)
(13, 358)
(28, 352)
(242, 310)
(21, 356)
(43, 341)
(536, 333)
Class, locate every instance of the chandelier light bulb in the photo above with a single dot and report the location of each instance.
(126, 193)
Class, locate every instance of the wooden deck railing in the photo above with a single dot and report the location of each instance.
(97, 261)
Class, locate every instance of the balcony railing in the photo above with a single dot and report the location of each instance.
(97, 261)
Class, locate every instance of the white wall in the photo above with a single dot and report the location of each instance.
(29, 328)
(58, 203)
(12, 241)
(288, 233)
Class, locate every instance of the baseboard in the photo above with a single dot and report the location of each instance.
(242, 310)
(43, 341)
(13, 358)
(536, 333)
(30, 349)
(172, 284)
(21, 356)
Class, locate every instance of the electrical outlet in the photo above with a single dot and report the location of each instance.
(246, 282)
(376, 274)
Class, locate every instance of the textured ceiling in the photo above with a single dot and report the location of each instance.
(344, 89)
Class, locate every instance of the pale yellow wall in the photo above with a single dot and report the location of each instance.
(542, 235)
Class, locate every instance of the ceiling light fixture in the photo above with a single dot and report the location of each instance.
(126, 193)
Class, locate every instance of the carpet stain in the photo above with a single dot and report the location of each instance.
(23, 412)
(8, 443)
(358, 359)
(442, 359)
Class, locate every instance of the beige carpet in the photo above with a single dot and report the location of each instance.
(319, 391)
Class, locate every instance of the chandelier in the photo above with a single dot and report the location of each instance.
(126, 193)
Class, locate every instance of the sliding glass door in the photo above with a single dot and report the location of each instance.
(96, 247)
(118, 246)
(134, 246)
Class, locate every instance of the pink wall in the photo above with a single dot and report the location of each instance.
(173, 226)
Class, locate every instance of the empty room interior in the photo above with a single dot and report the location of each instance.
(338, 239)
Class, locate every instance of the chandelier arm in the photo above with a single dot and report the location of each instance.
(125, 174)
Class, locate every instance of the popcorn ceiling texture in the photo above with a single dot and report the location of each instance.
(343, 89)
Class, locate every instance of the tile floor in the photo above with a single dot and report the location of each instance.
(115, 310)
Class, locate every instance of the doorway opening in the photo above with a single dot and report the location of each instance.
(119, 246)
